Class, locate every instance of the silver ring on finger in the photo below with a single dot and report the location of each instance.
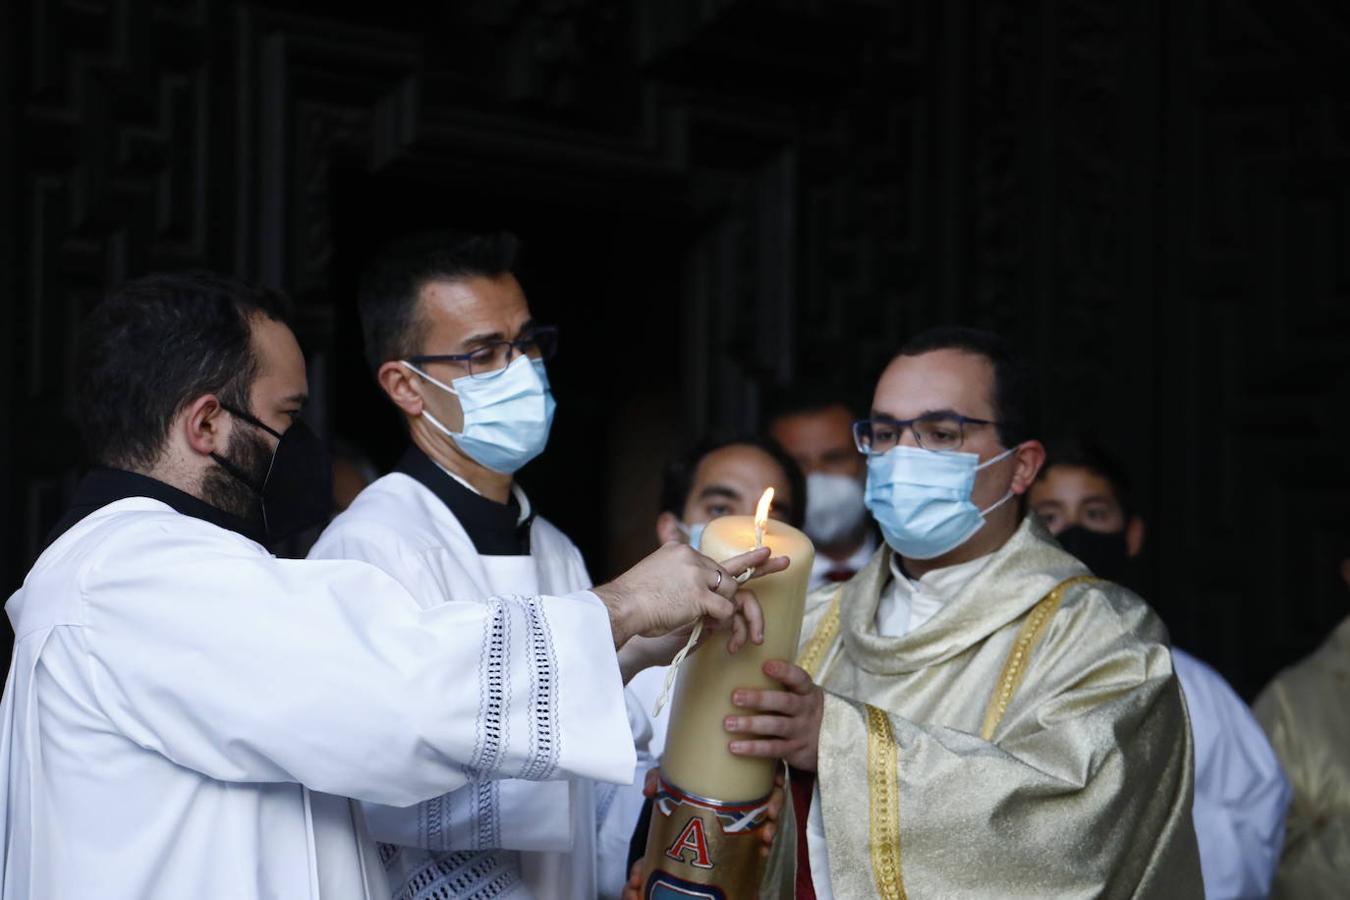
(718, 584)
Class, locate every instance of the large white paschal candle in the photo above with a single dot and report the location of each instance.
(710, 802)
(696, 756)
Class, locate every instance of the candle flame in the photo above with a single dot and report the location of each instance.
(762, 515)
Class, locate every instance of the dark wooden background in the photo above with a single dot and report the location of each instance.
(721, 196)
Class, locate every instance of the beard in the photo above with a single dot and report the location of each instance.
(251, 456)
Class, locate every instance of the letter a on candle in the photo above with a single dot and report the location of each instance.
(692, 838)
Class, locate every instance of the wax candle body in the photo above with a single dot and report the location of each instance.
(696, 757)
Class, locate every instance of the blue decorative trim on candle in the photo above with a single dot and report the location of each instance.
(664, 886)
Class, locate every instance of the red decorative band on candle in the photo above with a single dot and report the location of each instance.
(703, 849)
(735, 818)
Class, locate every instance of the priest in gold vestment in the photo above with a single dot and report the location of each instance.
(1305, 713)
(973, 714)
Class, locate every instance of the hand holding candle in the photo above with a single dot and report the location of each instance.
(674, 587)
(737, 640)
(786, 721)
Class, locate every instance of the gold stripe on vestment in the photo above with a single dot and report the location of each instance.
(821, 642)
(1015, 667)
(884, 787)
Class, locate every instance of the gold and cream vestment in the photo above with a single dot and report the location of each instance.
(1028, 740)
(1307, 715)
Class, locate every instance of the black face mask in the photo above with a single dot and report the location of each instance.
(1105, 553)
(297, 490)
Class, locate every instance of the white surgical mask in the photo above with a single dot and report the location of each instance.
(834, 507)
(507, 414)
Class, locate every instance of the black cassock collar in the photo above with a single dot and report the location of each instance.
(496, 529)
(103, 486)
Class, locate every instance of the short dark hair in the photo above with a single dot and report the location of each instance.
(156, 344)
(1014, 399)
(807, 397)
(393, 282)
(1085, 451)
(678, 478)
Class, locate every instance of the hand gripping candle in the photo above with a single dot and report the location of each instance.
(710, 805)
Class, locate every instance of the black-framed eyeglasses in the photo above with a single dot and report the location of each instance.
(539, 343)
(935, 431)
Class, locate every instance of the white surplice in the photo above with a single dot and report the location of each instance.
(177, 694)
(489, 838)
(1241, 793)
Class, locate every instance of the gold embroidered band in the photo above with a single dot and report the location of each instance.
(811, 657)
(1015, 667)
(884, 787)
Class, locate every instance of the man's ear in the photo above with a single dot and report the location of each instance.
(668, 528)
(203, 425)
(1134, 536)
(1028, 459)
(396, 380)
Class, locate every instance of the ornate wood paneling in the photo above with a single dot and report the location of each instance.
(1149, 196)
(112, 171)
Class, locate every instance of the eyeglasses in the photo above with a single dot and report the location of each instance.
(935, 431)
(540, 343)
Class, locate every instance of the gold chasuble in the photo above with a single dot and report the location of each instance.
(1029, 740)
(1306, 714)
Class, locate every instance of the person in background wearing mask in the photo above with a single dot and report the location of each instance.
(451, 341)
(815, 427)
(1083, 496)
(973, 714)
(184, 710)
(1305, 712)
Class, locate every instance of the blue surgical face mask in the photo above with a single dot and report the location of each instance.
(507, 414)
(921, 499)
(693, 533)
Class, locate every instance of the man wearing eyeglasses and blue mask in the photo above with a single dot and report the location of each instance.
(451, 340)
(974, 715)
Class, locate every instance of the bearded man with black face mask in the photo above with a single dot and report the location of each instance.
(186, 712)
(1241, 794)
(973, 714)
